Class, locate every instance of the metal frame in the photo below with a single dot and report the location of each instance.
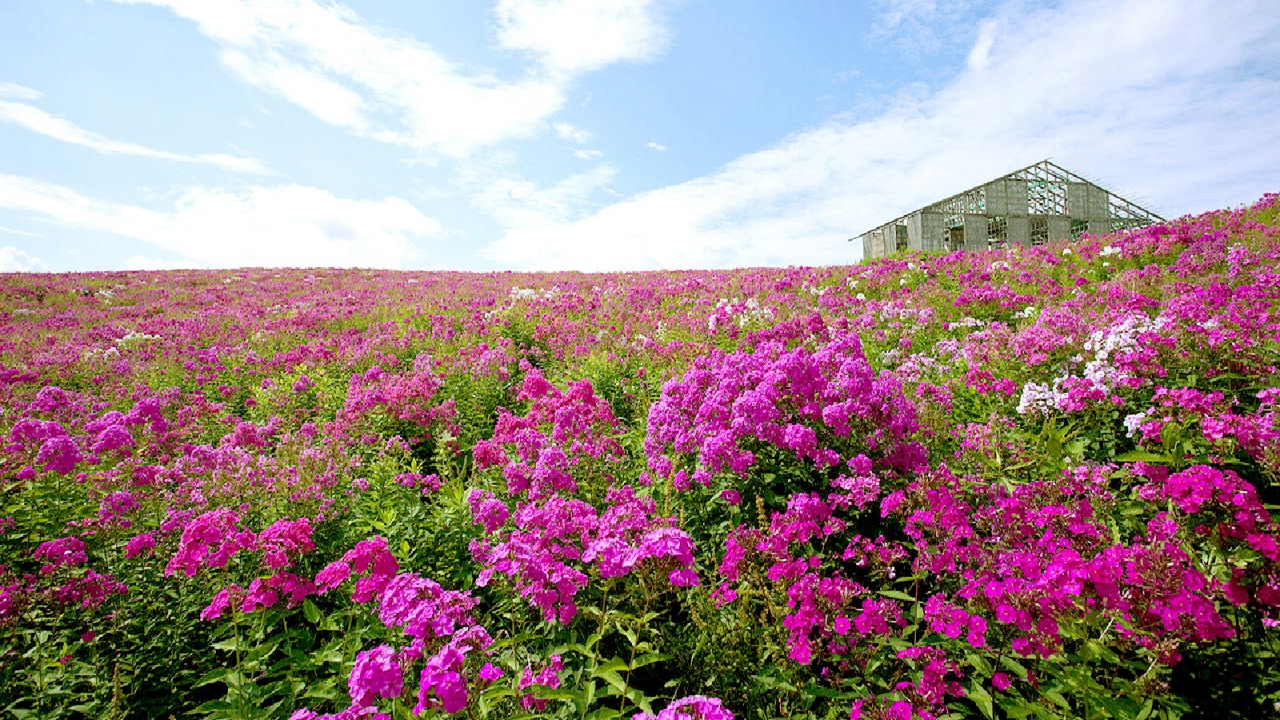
(1058, 202)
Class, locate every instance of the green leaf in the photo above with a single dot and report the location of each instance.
(326, 690)
(897, 595)
(231, 645)
(770, 682)
(1018, 708)
(1143, 456)
(982, 698)
(611, 665)
(214, 676)
(555, 694)
(979, 663)
(613, 678)
(1014, 666)
(572, 647)
(214, 706)
(1057, 698)
(640, 699)
(310, 612)
(647, 659)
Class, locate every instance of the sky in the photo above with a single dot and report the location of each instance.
(597, 134)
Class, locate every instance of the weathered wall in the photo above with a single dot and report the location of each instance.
(1019, 230)
(975, 232)
(1059, 227)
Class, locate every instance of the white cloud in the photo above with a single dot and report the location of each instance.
(571, 133)
(655, 146)
(287, 226)
(143, 262)
(19, 92)
(1091, 83)
(325, 58)
(13, 259)
(516, 202)
(574, 36)
(980, 55)
(328, 100)
(38, 121)
(587, 154)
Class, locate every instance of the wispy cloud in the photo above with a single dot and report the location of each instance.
(38, 121)
(23, 233)
(1091, 83)
(18, 92)
(980, 54)
(655, 146)
(13, 259)
(286, 226)
(326, 59)
(568, 132)
(926, 26)
(516, 202)
(587, 154)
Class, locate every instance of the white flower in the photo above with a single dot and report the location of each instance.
(1132, 423)
(1040, 399)
(135, 337)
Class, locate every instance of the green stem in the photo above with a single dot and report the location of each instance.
(235, 626)
(626, 680)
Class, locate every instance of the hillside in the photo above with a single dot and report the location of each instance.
(1023, 483)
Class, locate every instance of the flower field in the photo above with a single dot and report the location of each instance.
(1033, 483)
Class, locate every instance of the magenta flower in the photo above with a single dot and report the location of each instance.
(377, 673)
(693, 707)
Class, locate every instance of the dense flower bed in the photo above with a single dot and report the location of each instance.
(1025, 483)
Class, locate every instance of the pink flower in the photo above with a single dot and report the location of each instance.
(333, 575)
(220, 603)
(900, 710)
(285, 540)
(441, 678)
(377, 673)
(65, 551)
(693, 707)
(59, 454)
(139, 544)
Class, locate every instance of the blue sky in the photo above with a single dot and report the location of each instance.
(596, 134)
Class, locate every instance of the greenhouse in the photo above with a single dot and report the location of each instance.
(1031, 206)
